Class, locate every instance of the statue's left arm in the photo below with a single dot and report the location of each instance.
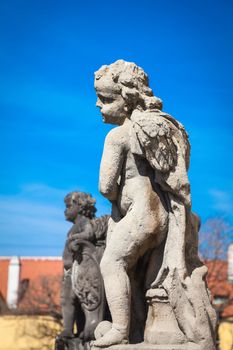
(111, 164)
(82, 231)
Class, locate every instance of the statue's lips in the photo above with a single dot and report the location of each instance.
(104, 117)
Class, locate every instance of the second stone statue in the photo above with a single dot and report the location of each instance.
(83, 300)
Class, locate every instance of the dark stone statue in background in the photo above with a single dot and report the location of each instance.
(82, 300)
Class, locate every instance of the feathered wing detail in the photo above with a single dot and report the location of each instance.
(165, 145)
(155, 136)
(183, 134)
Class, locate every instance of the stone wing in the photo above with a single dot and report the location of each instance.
(155, 135)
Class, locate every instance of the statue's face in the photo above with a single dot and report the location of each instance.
(71, 211)
(112, 106)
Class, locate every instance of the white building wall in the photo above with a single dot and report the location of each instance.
(230, 263)
(13, 282)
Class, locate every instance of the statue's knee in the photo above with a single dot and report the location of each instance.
(109, 263)
(103, 265)
(106, 265)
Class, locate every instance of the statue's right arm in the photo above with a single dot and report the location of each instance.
(84, 231)
(111, 164)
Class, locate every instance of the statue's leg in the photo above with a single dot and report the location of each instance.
(113, 221)
(138, 303)
(68, 305)
(79, 318)
(129, 241)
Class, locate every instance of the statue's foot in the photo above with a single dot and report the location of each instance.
(112, 337)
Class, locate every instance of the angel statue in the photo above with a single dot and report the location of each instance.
(143, 173)
(83, 301)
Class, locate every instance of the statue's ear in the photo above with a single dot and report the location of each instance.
(130, 95)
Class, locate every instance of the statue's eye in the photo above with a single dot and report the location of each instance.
(105, 100)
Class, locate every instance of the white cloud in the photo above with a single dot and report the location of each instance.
(34, 199)
(33, 217)
(221, 201)
(32, 221)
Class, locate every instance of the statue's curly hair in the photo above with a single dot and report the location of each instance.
(132, 82)
(85, 203)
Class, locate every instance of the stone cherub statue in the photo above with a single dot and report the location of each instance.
(143, 173)
(82, 299)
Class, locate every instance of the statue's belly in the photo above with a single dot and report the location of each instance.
(138, 193)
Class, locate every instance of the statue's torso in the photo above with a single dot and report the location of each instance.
(137, 188)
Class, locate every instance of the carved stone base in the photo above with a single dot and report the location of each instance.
(71, 344)
(161, 325)
(145, 346)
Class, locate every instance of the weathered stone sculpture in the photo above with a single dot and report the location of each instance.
(83, 300)
(152, 240)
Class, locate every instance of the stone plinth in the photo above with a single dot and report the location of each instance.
(145, 346)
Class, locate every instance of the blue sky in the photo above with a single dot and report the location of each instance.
(51, 132)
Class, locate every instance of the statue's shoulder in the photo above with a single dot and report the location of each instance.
(117, 136)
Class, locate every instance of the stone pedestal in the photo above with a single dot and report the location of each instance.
(145, 346)
(161, 325)
(71, 344)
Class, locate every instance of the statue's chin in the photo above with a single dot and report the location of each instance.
(113, 120)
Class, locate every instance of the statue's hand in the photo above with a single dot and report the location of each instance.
(74, 240)
(87, 235)
(74, 245)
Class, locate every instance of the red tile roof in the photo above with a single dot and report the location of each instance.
(219, 285)
(4, 264)
(40, 272)
(44, 277)
(32, 268)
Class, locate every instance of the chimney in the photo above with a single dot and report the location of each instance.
(230, 263)
(13, 282)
